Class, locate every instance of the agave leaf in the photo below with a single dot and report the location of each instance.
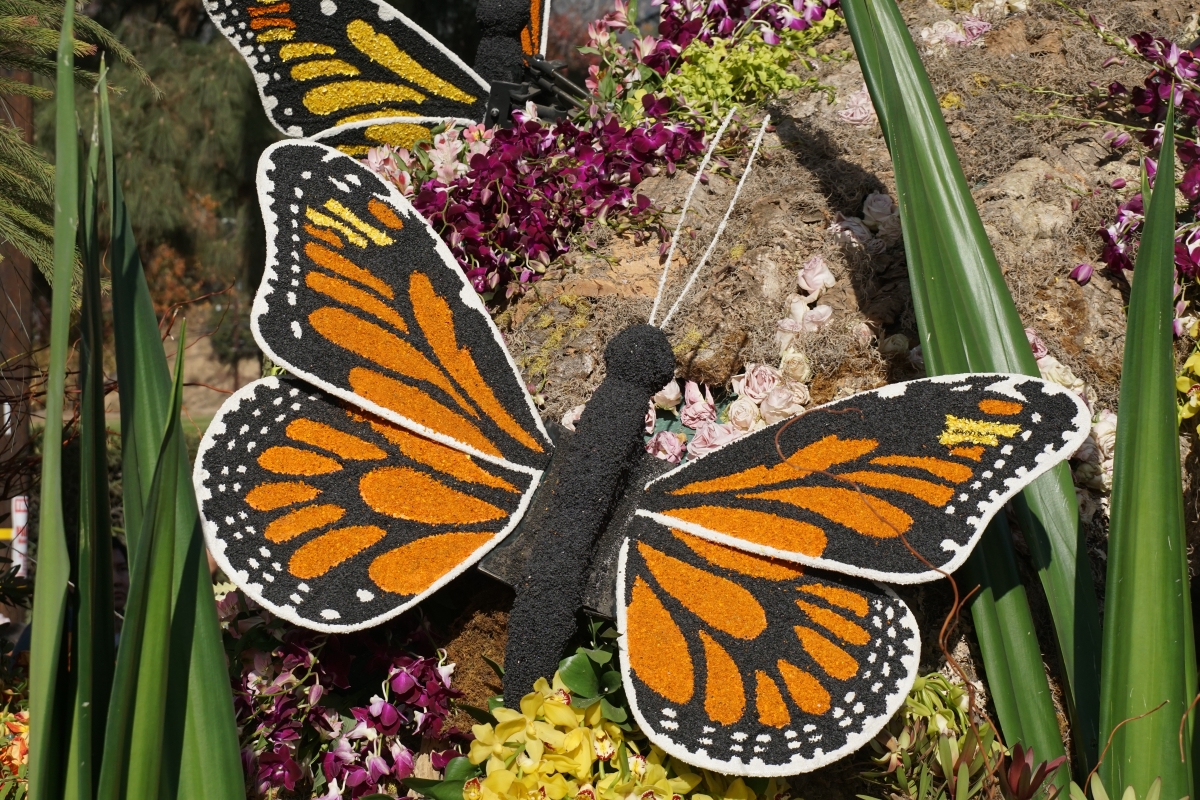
(92, 660)
(968, 322)
(49, 712)
(1149, 652)
(200, 742)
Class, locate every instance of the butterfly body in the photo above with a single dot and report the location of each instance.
(597, 461)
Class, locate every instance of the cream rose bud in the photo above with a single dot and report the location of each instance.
(863, 334)
(669, 396)
(797, 308)
(743, 414)
(814, 277)
(571, 417)
(799, 393)
(794, 367)
(894, 345)
(755, 382)
(711, 436)
(651, 417)
(876, 208)
(816, 318)
(786, 331)
(1104, 432)
(890, 231)
(780, 403)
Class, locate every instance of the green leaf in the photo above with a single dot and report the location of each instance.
(1149, 652)
(968, 323)
(49, 732)
(600, 657)
(496, 668)
(612, 713)
(92, 660)
(478, 714)
(578, 675)
(200, 744)
(494, 702)
(610, 681)
(437, 790)
(461, 769)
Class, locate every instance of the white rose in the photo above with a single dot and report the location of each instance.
(571, 417)
(816, 318)
(876, 208)
(894, 345)
(797, 308)
(794, 367)
(780, 403)
(799, 393)
(743, 414)
(863, 334)
(1055, 371)
(669, 396)
(1104, 432)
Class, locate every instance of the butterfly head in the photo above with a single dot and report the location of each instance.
(641, 355)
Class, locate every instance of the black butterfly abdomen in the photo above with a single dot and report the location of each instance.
(608, 440)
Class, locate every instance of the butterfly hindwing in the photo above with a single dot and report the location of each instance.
(320, 64)
(361, 298)
(336, 520)
(927, 462)
(753, 666)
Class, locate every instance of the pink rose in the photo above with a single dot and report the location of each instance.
(816, 318)
(756, 381)
(711, 436)
(876, 208)
(651, 416)
(850, 230)
(814, 277)
(780, 403)
(666, 446)
(697, 409)
(669, 396)
(1036, 344)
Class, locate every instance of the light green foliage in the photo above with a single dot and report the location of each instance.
(1099, 792)
(713, 78)
(931, 750)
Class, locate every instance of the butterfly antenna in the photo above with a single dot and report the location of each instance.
(720, 228)
(712, 148)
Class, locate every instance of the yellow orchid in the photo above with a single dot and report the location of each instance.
(550, 750)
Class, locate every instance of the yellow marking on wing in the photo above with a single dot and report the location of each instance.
(310, 70)
(398, 134)
(374, 234)
(975, 431)
(329, 222)
(387, 112)
(334, 97)
(290, 52)
(382, 50)
(275, 35)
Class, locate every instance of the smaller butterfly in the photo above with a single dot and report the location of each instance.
(403, 446)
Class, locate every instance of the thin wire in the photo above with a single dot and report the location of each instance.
(721, 228)
(712, 148)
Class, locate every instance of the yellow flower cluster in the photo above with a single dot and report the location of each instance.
(1188, 383)
(551, 751)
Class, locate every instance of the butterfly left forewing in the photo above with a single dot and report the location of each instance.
(321, 64)
(361, 298)
(753, 666)
(921, 465)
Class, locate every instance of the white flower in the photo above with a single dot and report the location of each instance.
(1055, 371)
(786, 331)
(711, 436)
(780, 403)
(743, 415)
(1104, 432)
(814, 278)
(794, 367)
(571, 417)
(863, 334)
(858, 110)
(944, 33)
(876, 208)
(850, 230)
(816, 318)
(669, 396)
(797, 307)
(894, 345)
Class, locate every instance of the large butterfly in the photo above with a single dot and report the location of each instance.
(402, 446)
(360, 74)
